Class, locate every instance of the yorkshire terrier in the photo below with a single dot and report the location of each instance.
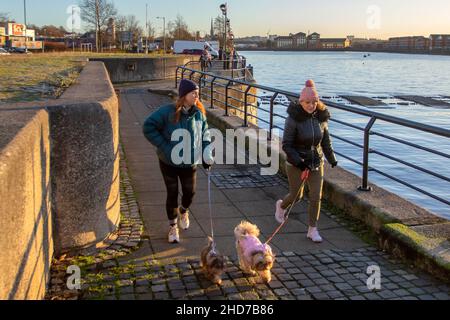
(254, 256)
(213, 263)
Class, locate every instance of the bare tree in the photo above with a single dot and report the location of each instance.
(97, 13)
(4, 17)
(133, 25)
(219, 28)
(151, 31)
(179, 30)
(49, 30)
(121, 22)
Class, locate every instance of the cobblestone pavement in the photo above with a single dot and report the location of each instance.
(137, 263)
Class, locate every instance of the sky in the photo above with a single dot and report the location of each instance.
(331, 18)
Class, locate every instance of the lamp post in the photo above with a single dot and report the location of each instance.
(73, 35)
(164, 28)
(146, 29)
(25, 20)
(224, 8)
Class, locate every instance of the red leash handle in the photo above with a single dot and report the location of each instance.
(305, 175)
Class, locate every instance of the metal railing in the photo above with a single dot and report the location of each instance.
(236, 68)
(209, 81)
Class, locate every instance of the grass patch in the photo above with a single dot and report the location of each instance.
(36, 77)
(40, 76)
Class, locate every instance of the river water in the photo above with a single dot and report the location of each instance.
(380, 76)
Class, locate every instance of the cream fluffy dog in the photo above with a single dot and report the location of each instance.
(254, 256)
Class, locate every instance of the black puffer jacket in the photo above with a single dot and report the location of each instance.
(306, 138)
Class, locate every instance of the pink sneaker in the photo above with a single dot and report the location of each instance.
(280, 213)
(314, 235)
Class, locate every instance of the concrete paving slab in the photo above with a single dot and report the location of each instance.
(158, 230)
(256, 208)
(220, 210)
(297, 242)
(250, 194)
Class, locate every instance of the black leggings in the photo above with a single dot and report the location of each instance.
(188, 179)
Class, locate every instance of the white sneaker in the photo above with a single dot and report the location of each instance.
(174, 235)
(280, 213)
(314, 235)
(184, 220)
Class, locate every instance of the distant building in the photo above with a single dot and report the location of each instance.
(252, 39)
(368, 44)
(284, 42)
(299, 40)
(334, 43)
(313, 41)
(16, 35)
(439, 42)
(246, 46)
(293, 41)
(2, 37)
(411, 43)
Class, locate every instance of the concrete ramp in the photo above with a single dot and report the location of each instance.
(429, 102)
(364, 101)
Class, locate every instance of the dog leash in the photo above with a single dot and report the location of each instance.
(210, 211)
(304, 177)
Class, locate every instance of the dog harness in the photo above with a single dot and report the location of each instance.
(251, 244)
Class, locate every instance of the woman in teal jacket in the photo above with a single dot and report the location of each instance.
(180, 133)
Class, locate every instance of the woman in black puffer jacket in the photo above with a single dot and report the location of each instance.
(306, 141)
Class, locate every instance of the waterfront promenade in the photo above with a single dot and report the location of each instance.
(140, 264)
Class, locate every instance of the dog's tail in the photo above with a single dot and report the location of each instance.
(246, 228)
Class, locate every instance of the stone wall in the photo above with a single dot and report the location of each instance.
(143, 69)
(26, 242)
(59, 180)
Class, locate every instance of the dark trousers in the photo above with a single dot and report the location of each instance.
(188, 179)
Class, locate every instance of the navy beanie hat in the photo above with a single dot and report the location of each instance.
(185, 87)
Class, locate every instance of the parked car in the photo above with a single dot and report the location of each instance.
(20, 50)
(3, 52)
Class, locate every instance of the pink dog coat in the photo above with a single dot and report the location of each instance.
(250, 245)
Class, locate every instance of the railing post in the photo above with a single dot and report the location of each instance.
(212, 92)
(246, 106)
(182, 74)
(191, 74)
(226, 98)
(176, 77)
(365, 175)
(200, 85)
(272, 100)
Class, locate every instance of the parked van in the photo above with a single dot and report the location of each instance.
(181, 46)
